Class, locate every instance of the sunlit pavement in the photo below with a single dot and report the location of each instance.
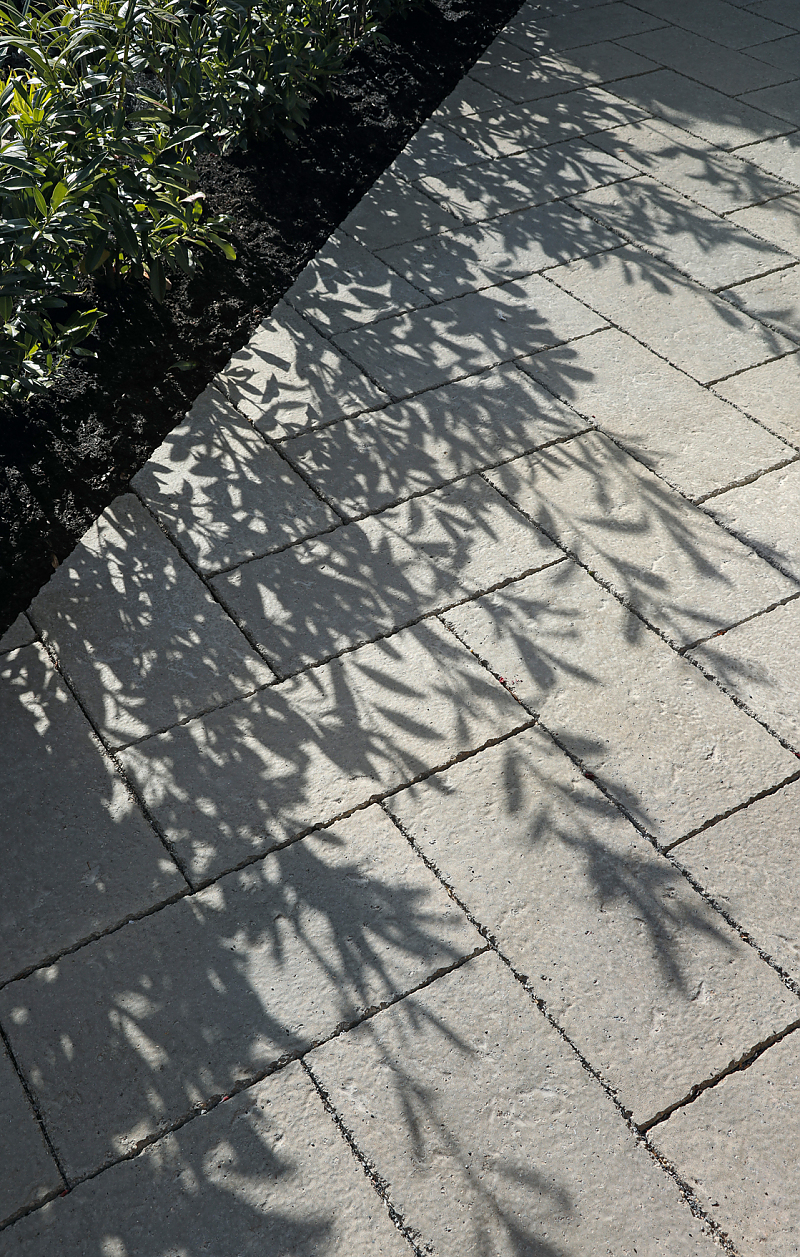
(402, 801)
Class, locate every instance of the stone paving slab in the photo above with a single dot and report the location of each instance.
(774, 298)
(240, 781)
(781, 53)
(184, 1006)
(28, 1172)
(759, 662)
(519, 76)
(222, 493)
(266, 1172)
(736, 1145)
(78, 856)
(600, 22)
(380, 459)
(664, 741)
(705, 61)
(783, 101)
(777, 221)
(748, 864)
(723, 23)
(779, 156)
(645, 978)
(20, 633)
(673, 425)
(392, 212)
(468, 97)
(665, 557)
(433, 150)
(313, 601)
(781, 11)
(766, 515)
(771, 393)
(491, 1137)
(137, 633)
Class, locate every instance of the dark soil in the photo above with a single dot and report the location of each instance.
(65, 456)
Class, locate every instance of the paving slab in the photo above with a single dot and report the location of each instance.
(468, 97)
(765, 515)
(777, 221)
(313, 601)
(28, 1172)
(780, 156)
(672, 424)
(664, 741)
(771, 393)
(233, 785)
(455, 263)
(434, 149)
(393, 212)
(682, 572)
(759, 662)
(723, 23)
(137, 633)
(783, 101)
(380, 459)
(266, 1172)
(78, 856)
(519, 75)
(222, 493)
(20, 633)
(774, 298)
(691, 327)
(781, 11)
(213, 991)
(648, 981)
(748, 864)
(709, 249)
(289, 378)
(421, 350)
(784, 53)
(736, 1147)
(600, 22)
(705, 61)
(490, 1136)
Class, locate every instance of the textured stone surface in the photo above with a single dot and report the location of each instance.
(27, 1170)
(234, 784)
(780, 156)
(312, 601)
(137, 633)
(736, 1147)
(778, 221)
(766, 514)
(774, 298)
(771, 393)
(672, 424)
(392, 212)
(660, 738)
(267, 1172)
(665, 557)
(600, 22)
(783, 53)
(723, 23)
(759, 662)
(77, 854)
(433, 149)
(708, 113)
(448, 432)
(655, 990)
(496, 1141)
(183, 1006)
(518, 75)
(694, 329)
(783, 101)
(705, 61)
(223, 493)
(468, 97)
(20, 633)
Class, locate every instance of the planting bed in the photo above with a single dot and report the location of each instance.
(65, 456)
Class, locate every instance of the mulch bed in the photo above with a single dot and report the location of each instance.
(65, 456)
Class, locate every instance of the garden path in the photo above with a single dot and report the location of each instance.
(402, 813)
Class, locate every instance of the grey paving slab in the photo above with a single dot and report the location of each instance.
(535, 123)
(491, 1137)
(782, 11)
(345, 286)
(736, 1147)
(590, 26)
(455, 263)
(665, 557)
(223, 493)
(766, 514)
(723, 23)
(78, 856)
(781, 53)
(691, 327)
(27, 1170)
(513, 183)
(425, 348)
(137, 633)
(719, 180)
(759, 662)
(674, 425)
(432, 150)
(774, 298)
(782, 101)
(392, 212)
(266, 1172)
(650, 984)
(208, 994)
(520, 75)
(20, 633)
(236, 783)
(371, 462)
(702, 110)
(778, 221)
(748, 863)
(771, 393)
(312, 601)
(705, 61)
(780, 156)
(664, 741)
(708, 248)
(468, 97)
(289, 378)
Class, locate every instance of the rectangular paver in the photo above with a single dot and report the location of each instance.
(434, 149)
(600, 22)
(490, 1136)
(19, 633)
(393, 211)
(661, 738)
(782, 53)
(468, 97)
(312, 601)
(182, 1007)
(774, 298)
(519, 75)
(28, 1172)
(766, 515)
(701, 110)
(777, 221)
(236, 783)
(771, 393)
(723, 23)
(705, 61)
(650, 984)
(780, 156)
(223, 493)
(783, 101)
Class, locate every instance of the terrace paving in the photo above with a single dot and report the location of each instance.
(402, 781)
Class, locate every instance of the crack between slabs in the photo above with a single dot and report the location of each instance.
(739, 484)
(722, 816)
(4, 1040)
(756, 615)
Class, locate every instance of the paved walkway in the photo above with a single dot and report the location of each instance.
(402, 797)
